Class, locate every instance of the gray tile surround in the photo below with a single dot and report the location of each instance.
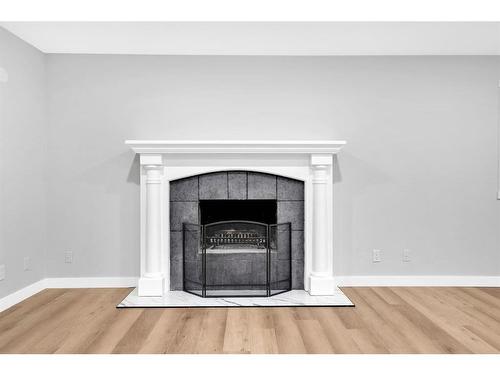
(175, 246)
(261, 186)
(297, 245)
(237, 183)
(291, 211)
(176, 274)
(184, 190)
(298, 274)
(213, 186)
(290, 190)
(181, 212)
(184, 195)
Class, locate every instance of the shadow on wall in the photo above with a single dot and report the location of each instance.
(107, 174)
(337, 174)
(134, 174)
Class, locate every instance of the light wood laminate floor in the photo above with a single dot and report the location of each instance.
(385, 320)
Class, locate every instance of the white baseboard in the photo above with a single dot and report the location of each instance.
(463, 281)
(91, 282)
(126, 282)
(66, 282)
(20, 295)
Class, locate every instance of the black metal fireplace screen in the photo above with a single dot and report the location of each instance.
(237, 259)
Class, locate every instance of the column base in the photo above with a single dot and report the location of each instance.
(150, 287)
(322, 286)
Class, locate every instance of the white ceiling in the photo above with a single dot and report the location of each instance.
(262, 38)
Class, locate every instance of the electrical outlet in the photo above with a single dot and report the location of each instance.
(2, 272)
(27, 263)
(377, 256)
(68, 257)
(406, 255)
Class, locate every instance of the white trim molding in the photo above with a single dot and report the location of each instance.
(91, 282)
(343, 281)
(431, 280)
(307, 161)
(63, 283)
(21, 294)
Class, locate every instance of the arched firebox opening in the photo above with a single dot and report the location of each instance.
(236, 233)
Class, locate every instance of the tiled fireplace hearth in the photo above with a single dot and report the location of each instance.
(269, 181)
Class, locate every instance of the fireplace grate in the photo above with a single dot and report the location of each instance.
(237, 237)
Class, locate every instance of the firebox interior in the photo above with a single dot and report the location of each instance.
(258, 210)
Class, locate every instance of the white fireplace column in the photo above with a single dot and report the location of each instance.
(151, 281)
(321, 279)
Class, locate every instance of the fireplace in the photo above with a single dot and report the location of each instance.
(236, 170)
(232, 234)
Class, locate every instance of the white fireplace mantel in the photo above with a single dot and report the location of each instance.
(236, 147)
(165, 161)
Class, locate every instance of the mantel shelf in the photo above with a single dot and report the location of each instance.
(235, 147)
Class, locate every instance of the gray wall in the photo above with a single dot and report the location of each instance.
(419, 170)
(23, 163)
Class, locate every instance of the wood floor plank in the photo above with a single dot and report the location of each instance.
(336, 332)
(106, 340)
(236, 335)
(314, 337)
(71, 328)
(381, 325)
(261, 332)
(287, 332)
(473, 311)
(349, 318)
(84, 329)
(486, 335)
(25, 334)
(189, 335)
(440, 338)
(388, 296)
(385, 320)
(16, 312)
(164, 333)
(495, 292)
(366, 342)
(406, 327)
(213, 329)
(484, 295)
(450, 319)
(262, 335)
(138, 333)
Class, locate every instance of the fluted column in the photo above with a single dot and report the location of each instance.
(321, 279)
(151, 281)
